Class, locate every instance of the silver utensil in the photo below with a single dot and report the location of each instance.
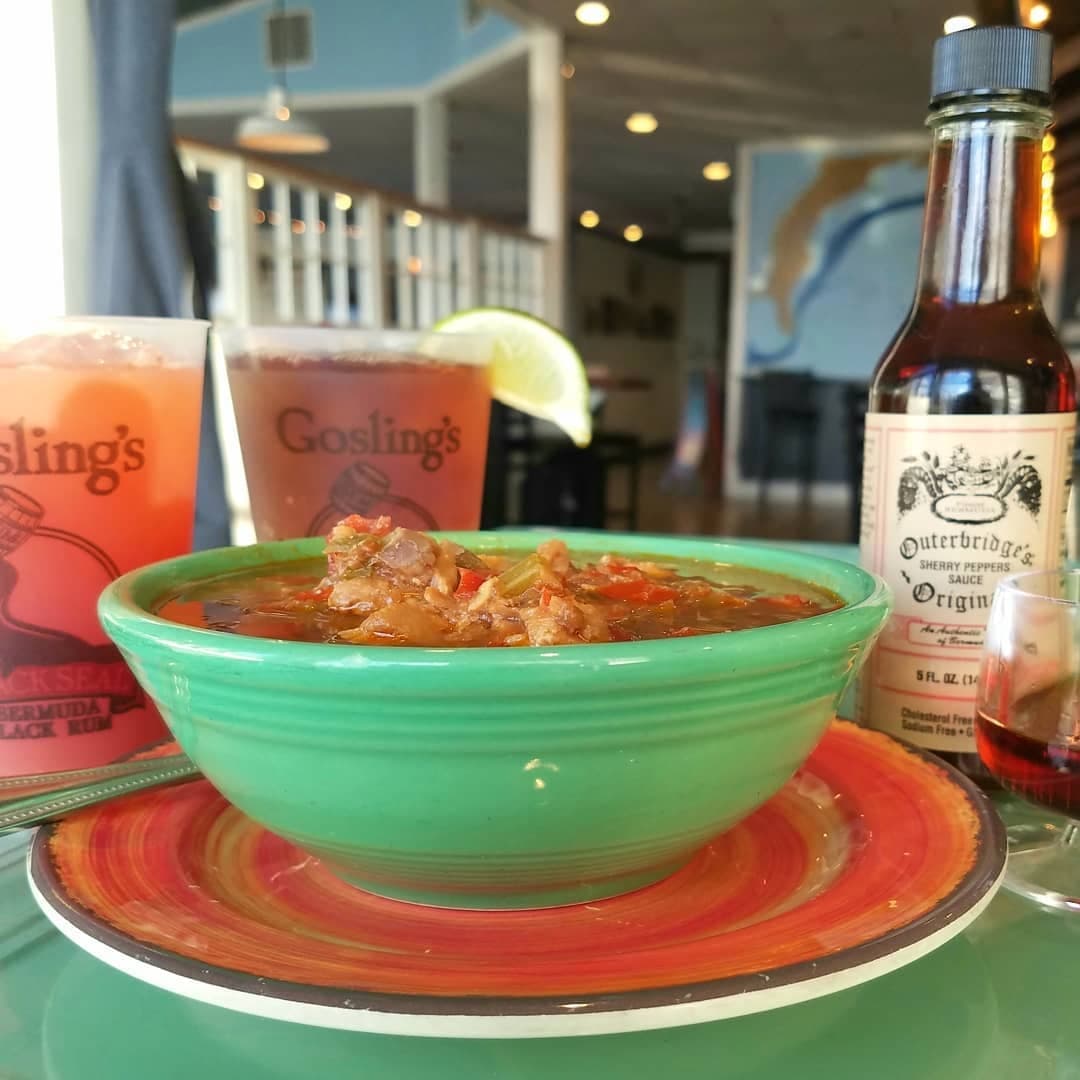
(75, 790)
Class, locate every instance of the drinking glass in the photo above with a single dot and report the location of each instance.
(99, 441)
(1027, 727)
(335, 422)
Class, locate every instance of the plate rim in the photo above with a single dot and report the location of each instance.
(486, 1016)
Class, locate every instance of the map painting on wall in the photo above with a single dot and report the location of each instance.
(833, 244)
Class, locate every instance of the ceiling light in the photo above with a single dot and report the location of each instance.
(343, 201)
(1039, 15)
(589, 219)
(592, 13)
(633, 233)
(411, 219)
(716, 170)
(567, 70)
(958, 22)
(256, 181)
(277, 130)
(642, 123)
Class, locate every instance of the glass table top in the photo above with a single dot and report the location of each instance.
(997, 1001)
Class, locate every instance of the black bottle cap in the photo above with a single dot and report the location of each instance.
(988, 60)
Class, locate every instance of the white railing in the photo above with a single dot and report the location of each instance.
(294, 245)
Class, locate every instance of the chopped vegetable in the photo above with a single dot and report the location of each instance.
(639, 591)
(527, 574)
(469, 581)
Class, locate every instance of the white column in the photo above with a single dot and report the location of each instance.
(425, 279)
(282, 238)
(547, 166)
(338, 243)
(311, 244)
(374, 302)
(49, 128)
(237, 260)
(468, 265)
(431, 152)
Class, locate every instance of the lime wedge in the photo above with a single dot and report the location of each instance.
(534, 368)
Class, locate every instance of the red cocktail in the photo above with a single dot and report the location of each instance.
(99, 435)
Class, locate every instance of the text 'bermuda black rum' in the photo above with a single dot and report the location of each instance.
(972, 413)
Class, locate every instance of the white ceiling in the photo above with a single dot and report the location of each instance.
(715, 72)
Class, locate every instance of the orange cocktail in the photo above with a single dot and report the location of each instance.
(337, 422)
(99, 433)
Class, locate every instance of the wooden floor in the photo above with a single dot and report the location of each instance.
(697, 515)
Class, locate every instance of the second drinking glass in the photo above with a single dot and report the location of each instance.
(337, 422)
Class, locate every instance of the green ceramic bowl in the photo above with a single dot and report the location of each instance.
(500, 777)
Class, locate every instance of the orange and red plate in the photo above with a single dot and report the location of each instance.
(872, 856)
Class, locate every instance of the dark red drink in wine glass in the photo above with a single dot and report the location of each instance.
(1027, 725)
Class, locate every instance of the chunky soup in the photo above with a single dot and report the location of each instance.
(382, 585)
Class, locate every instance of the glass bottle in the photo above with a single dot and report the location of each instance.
(972, 412)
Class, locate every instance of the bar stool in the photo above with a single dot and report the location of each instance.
(791, 412)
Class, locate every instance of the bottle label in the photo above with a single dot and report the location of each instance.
(951, 505)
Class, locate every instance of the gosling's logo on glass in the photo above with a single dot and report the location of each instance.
(362, 488)
(30, 452)
(299, 432)
(967, 491)
(52, 682)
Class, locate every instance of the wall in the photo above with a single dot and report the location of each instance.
(51, 135)
(626, 312)
(359, 45)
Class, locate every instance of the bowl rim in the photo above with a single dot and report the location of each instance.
(121, 606)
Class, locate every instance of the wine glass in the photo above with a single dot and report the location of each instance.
(1027, 727)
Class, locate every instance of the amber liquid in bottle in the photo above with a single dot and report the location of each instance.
(977, 340)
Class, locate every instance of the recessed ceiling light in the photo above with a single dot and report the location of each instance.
(1039, 14)
(412, 219)
(633, 233)
(342, 201)
(958, 22)
(256, 180)
(589, 219)
(567, 70)
(592, 13)
(642, 123)
(716, 170)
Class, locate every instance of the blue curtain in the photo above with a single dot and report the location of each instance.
(148, 224)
